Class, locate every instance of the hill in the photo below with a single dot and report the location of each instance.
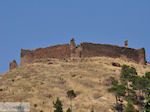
(41, 82)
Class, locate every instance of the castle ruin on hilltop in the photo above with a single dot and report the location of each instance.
(71, 50)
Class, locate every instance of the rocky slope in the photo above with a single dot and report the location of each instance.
(40, 83)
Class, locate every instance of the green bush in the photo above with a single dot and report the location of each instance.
(147, 75)
(71, 94)
(140, 83)
(147, 104)
(119, 90)
(58, 106)
(128, 72)
(119, 107)
(113, 81)
(131, 96)
(130, 107)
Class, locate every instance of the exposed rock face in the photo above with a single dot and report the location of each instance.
(67, 51)
(13, 65)
(116, 64)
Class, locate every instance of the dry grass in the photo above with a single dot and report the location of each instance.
(41, 83)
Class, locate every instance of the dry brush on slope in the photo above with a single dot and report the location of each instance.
(41, 83)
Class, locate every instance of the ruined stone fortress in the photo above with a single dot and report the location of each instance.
(84, 50)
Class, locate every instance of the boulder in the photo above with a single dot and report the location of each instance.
(116, 64)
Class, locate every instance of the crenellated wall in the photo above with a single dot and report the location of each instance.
(67, 51)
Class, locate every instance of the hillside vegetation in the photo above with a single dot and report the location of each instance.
(40, 83)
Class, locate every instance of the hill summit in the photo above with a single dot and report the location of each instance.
(48, 73)
(40, 83)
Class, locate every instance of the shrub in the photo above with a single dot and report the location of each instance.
(147, 107)
(147, 75)
(128, 72)
(130, 107)
(119, 107)
(119, 90)
(35, 105)
(131, 96)
(147, 104)
(71, 94)
(113, 81)
(140, 83)
(58, 106)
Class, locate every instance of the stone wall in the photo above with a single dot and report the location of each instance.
(13, 65)
(59, 52)
(68, 51)
(90, 50)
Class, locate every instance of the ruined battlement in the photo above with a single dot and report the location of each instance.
(69, 51)
(130, 54)
(58, 51)
(13, 65)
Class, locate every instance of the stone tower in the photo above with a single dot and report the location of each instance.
(13, 65)
(142, 56)
(72, 48)
(126, 43)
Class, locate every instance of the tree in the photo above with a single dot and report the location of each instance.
(147, 75)
(58, 106)
(147, 104)
(119, 107)
(147, 109)
(113, 81)
(119, 90)
(71, 94)
(130, 107)
(140, 83)
(127, 73)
